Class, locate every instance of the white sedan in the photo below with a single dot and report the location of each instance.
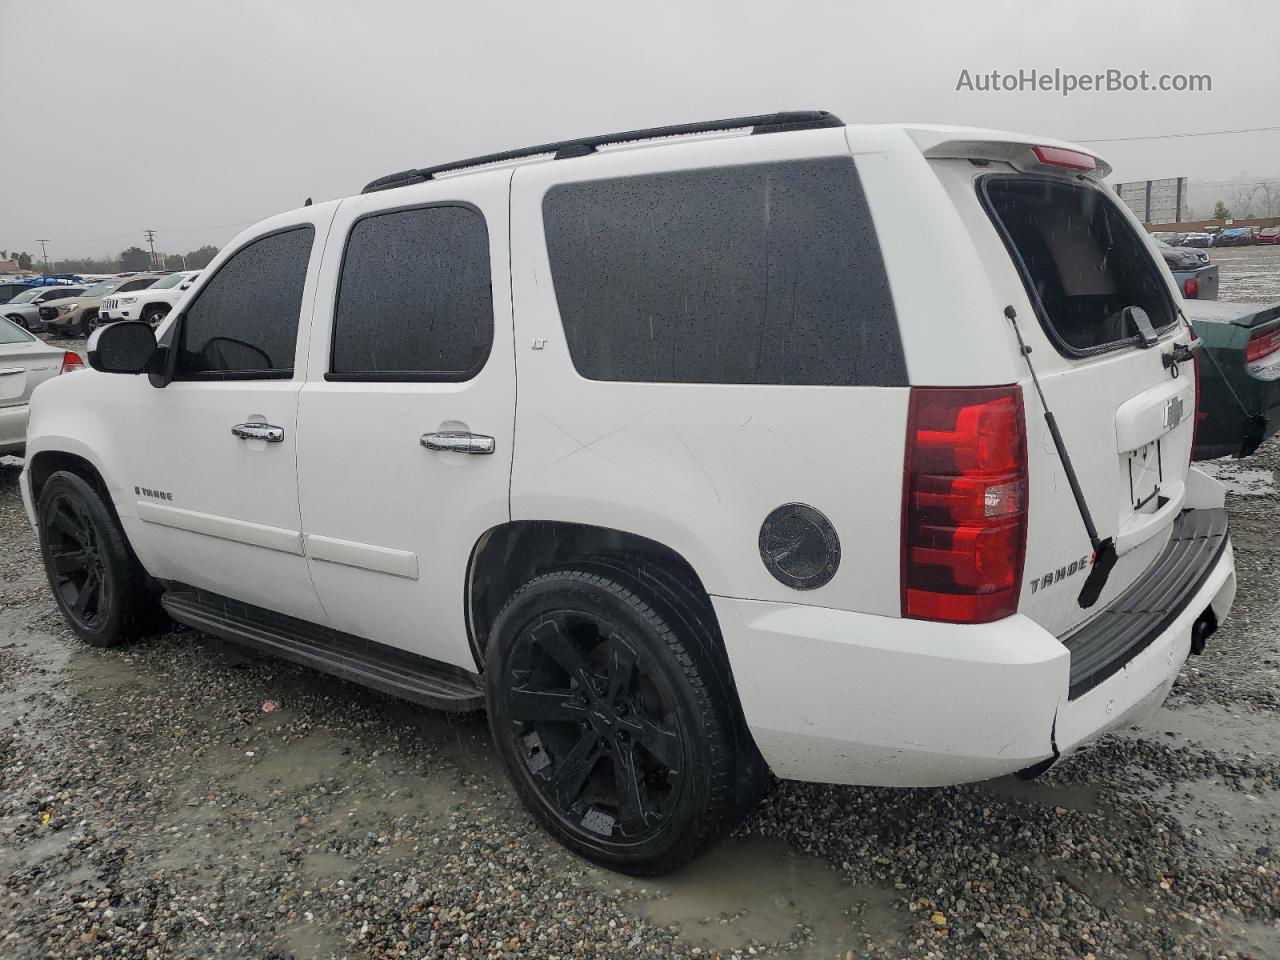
(25, 362)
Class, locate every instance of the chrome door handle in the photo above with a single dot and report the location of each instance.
(259, 431)
(458, 442)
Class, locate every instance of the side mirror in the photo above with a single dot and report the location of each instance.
(127, 346)
(185, 286)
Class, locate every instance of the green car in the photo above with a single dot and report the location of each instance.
(1239, 370)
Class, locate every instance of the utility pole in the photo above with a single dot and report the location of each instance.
(151, 239)
(44, 255)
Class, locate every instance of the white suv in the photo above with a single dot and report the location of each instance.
(150, 305)
(686, 453)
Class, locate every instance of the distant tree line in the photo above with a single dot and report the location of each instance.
(134, 258)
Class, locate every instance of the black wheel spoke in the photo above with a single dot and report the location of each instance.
(631, 799)
(663, 745)
(70, 562)
(560, 648)
(69, 526)
(622, 668)
(88, 593)
(531, 706)
(571, 772)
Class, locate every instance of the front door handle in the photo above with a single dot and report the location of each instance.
(259, 431)
(458, 442)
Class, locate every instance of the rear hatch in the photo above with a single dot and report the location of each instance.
(1073, 262)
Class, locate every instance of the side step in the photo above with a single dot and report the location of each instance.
(389, 669)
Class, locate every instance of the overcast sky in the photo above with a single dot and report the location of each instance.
(197, 118)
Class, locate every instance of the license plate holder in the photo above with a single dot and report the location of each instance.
(1145, 475)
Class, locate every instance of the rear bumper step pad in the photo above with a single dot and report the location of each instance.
(1116, 635)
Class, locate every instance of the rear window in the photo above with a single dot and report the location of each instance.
(768, 273)
(1080, 259)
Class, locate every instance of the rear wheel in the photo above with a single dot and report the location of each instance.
(19, 319)
(607, 723)
(99, 585)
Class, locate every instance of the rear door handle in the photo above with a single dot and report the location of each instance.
(259, 431)
(458, 442)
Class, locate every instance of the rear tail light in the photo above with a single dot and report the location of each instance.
(1191, 288)
(71, 361)
(1066, 159)
(1262, 345)
(964, 517)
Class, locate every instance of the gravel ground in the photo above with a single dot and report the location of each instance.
(185, 798)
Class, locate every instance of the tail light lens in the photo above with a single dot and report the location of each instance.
(71, 361)
(964, 518)
(1066, 159)
(1191, 288)
(1262, 345)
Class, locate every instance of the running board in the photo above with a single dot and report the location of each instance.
(389, 669)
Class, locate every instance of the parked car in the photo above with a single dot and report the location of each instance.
(1269, 235)
(81, 314)
(11, 288)
(24, 309)
(1239, 376)
(1197, 279)
(1233, 237)
(25, 363)
(1197, 239)
(149, 305)
(756, 509)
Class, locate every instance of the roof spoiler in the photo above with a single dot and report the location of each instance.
(1018, 150)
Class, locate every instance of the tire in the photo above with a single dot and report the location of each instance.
(88, 323)
(104, 594)
(19, 320)
(153, 315)
(609, 724)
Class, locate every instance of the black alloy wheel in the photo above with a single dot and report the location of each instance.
(606, 724)
(99, 585)
(595, 726)
(79, 575)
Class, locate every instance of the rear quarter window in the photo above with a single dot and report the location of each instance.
(1079, 258)
(761, 274)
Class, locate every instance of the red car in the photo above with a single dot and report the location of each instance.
(1269, 235)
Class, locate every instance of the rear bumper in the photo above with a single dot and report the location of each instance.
(13, 428)
(841, 697)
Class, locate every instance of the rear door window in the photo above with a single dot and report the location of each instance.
(1080, 259)
(414, 298)
(767, 273)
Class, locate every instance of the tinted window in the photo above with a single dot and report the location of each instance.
(136, 285)
(769, 273)
(414, 299)
(244, 323)
(1080, 259)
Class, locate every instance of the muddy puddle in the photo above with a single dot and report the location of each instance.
(757, 892)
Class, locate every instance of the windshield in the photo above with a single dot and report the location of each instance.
(172, 280)
(29, 295)
(102, 288)
(12, 333)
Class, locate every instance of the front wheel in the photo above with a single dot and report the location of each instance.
(153, 315)
(606, 721)
(19, 319)
(98, 584)
(88, 323)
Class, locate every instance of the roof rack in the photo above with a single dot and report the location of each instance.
(765, 123)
